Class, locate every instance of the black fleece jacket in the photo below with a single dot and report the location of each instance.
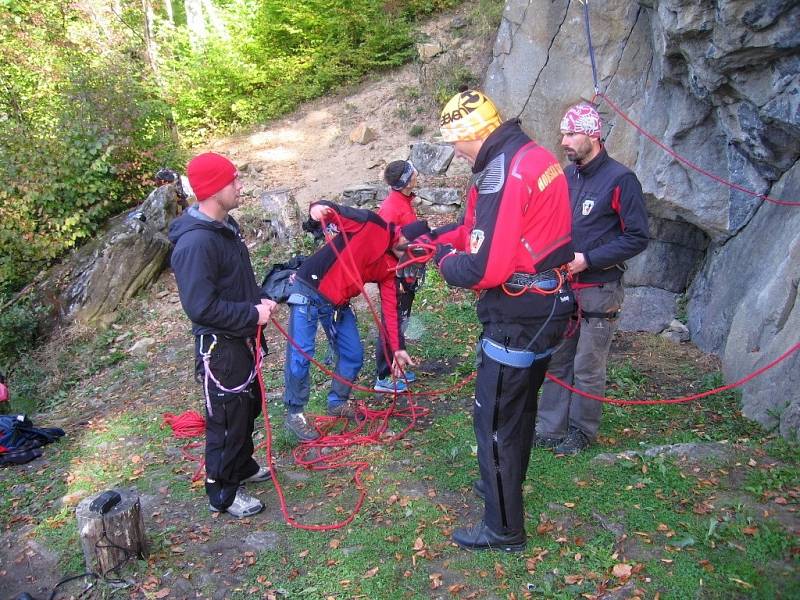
(216, 284)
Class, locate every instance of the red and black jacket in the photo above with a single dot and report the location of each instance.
(396, 209)
(517, 220)
(609, 219)
(360, 251)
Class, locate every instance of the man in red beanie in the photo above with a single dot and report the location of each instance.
(220, 296)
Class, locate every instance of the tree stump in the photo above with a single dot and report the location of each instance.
(109, 539)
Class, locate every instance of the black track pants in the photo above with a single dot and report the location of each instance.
(229, 428)
(503, 418)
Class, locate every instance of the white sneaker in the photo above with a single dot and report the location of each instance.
(262, 474)
(244, 505)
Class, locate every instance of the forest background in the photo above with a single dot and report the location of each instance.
(96, 95)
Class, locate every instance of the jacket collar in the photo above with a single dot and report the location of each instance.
(594, 165)
(494, 142)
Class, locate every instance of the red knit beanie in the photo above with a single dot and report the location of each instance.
(208, 173)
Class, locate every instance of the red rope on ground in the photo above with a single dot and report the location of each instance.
(689, 163)
(681, 399)
(322, 454)
(189, 424)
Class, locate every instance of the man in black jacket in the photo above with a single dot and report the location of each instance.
(609, 226)
(219, 294)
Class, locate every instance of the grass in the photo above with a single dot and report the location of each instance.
(650, 526)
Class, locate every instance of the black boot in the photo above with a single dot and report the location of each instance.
(480, 537)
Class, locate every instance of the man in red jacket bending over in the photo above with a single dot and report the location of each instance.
(511, 245)
(361, 248)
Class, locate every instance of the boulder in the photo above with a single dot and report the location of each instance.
(431, 159)
(427, 51)
(362, 134)
(90, 284)
(438, 200)
(282, 215)
(647, 309)
(365, 195)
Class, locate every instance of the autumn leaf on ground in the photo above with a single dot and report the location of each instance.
(436, 580)
(573, 579)
(419, 544)
(621, 570)
(371, 573)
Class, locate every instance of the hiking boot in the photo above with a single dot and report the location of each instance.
(388, 386)
(575, 441)
(297, 424)
(346, 410)
(543, 441)
(480, 537)
(262, 474)
(479, 489)
(244, 505)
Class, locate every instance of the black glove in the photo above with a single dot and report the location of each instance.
(442, 250)
(314, 228)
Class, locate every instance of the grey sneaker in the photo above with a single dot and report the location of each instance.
(297, 424)
(346, 410)
(244, 505)
(543, 441)
(262, 474)
(575, 441)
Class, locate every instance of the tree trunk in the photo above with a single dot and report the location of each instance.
(110, 539)
(195, 22)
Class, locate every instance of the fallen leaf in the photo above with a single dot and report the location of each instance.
(573, 579)
(419, 544)
(436, 580)
(371, 573)
(621, 570)
(334, 543)
(303, 554)
(162, 593)
(750, 530)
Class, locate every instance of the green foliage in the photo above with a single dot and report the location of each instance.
(280, 54)
(82, 128)
(19, 328)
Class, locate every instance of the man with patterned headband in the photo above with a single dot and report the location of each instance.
(609, 226)
(510, 244)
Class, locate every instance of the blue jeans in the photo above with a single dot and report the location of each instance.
(306, 311)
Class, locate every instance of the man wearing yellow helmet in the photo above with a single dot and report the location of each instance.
(511, 243)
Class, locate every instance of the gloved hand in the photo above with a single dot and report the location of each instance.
(442, 250)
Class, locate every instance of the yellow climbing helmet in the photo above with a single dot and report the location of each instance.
(469, 115)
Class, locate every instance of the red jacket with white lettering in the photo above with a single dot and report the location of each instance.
(517, 220)
(358, 251)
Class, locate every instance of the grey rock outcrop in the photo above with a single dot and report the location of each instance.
(718, 83)
(281, 214)
(431, 159)
(91, 284)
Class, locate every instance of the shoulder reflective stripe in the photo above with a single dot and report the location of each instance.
(493, 176)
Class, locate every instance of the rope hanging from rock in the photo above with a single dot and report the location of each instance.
(656, 141)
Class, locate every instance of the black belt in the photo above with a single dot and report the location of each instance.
(546, 281)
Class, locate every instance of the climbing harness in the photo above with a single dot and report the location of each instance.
(209, 375)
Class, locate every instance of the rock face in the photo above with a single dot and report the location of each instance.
(91, 284)
(719, 83)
